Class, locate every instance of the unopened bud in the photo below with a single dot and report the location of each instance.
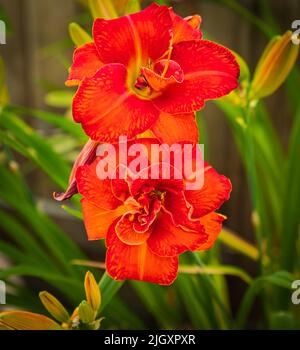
(92, 291)
(54, 307)
(274, 66)
(86, 313)
(78, 35)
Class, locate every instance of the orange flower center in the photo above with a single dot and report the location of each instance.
(149, 206)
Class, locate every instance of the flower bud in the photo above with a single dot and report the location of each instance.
(126, 7)
(274, 66)
(92, 291)
(22, 321)
(103, 9)
(86, 313)
(54, 307)
(78, 35)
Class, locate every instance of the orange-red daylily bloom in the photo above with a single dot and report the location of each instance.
(148, 70)
(147, 223)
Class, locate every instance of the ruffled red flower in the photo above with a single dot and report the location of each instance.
(148, 70)
(147, 223)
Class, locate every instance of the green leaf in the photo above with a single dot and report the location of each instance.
(58, 245)
(236, 243)
(290, 212)
(59, 99)
(23, 238)
(71, 287)
(78, 35)
(56, 120)
(281, 279)
(36, 147)
(73, 212)
(108, 288)
(194, 302)
(13, 253)
(217, 270)
(154, 300)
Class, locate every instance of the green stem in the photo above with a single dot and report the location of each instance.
(210, 283)
(258, 207)
(109, 288)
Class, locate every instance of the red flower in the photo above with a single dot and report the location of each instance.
(148, 70)
(147, 223)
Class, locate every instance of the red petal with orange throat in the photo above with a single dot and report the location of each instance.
(210, 72)
(107, 109)
(168, 240)
(138, 262)
(135, 38)
(177, 128)
(215, 191)
(86, 62)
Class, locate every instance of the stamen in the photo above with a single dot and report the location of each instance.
(131, 218)
(168, 63)
(168, 58)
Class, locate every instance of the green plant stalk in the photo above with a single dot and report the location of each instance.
(215, 294)
(254, 191)
(217, 270)
(280, 279)
(290, 213)
(108, 288)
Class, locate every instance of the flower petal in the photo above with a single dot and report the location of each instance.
(210, 70)
(107, 109)
(86, 62)
(138, 262)
(97, 191)
(215, 191)
(86, 156)
(194, 21)
(180, 211)
(133, 39)
(212, 225)
(97, 221)
(174, 74)
(168, 240)
(145, 184)
(177, 128)
(126, 233)
(185, 29)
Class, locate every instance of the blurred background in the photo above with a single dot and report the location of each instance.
(37, 55)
